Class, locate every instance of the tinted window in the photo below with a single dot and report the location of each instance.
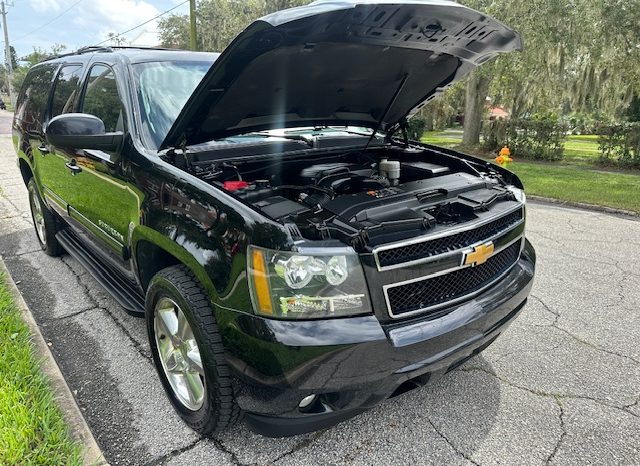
(34, 96)
(65, 88)
(102, 99)
(163, 89)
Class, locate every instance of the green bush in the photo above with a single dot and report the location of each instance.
(416, 128)
(585, 123)
(620, 144)
(535, 138)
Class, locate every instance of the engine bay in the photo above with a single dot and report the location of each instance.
(362, 198)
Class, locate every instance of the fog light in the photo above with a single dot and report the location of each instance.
(307, 401)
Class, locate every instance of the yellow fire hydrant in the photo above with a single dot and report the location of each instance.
(504, 157)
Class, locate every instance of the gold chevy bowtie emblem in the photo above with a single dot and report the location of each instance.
(479, 255)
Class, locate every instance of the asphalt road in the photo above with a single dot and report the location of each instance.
(561, 386)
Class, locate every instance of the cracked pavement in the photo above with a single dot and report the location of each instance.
(561, 385)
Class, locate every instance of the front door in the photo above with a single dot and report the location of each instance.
(104, 203)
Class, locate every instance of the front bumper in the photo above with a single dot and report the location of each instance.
(354, 363)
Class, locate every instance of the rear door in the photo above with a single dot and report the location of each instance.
(52, 165)
(29, 117)
(104, 202)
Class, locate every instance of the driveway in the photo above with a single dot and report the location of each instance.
(561, 386)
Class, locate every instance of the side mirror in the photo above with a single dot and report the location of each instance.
(81, 131)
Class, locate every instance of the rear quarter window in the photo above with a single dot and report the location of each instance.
(34, 96)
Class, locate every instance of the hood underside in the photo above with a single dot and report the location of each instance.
(351, 62)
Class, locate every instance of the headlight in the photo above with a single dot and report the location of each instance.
(297, 285)
(519, 194)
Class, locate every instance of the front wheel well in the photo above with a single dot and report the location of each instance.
(151, 259)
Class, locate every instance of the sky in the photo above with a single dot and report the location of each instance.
(80, 22)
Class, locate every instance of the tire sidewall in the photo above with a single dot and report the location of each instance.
(32, 187)
(162, 287)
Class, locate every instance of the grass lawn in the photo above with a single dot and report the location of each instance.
(576, 147)
(577, 178)
(581, 149)
(32, 429)
(447, 138)
(579, 184)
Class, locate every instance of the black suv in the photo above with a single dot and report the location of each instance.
(297, 258)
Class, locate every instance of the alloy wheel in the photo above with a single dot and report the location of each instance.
(38, 216)
(179, 354)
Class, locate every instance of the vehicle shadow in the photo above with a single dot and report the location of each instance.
(451, 416)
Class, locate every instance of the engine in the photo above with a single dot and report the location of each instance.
(362, 202)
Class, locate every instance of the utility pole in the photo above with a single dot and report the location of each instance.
(7, 51)
(193, 37)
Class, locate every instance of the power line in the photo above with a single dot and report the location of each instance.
(48, 22)
(141, 24)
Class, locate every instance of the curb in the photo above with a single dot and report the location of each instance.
(92, 454)
(631, 215)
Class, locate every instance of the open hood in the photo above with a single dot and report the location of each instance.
(349, 62)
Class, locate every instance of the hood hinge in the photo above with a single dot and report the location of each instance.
(387, 108)
(402, 125)
(181, 160)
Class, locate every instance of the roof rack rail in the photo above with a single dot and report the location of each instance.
(80, 51)
(141, 47)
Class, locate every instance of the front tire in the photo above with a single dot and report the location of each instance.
(44, 222)
(187, 351)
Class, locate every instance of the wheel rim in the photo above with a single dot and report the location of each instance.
(38, 216)
(179, 354)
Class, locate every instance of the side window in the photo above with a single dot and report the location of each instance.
(101, 98)
(65, 89)
(34, 96)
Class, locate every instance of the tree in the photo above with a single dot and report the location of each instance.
(14, 57)
(633, 111)
(558, 69)
(174, 32)
(38, 54)
(115, 39)
(218, 22)
(580, 56)
(475, 97)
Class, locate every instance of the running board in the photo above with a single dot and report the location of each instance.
(121, 289)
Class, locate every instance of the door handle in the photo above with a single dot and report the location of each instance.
(44, 150)
(75, 168)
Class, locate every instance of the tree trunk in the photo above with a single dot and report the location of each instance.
(475, 97)
(428, 120)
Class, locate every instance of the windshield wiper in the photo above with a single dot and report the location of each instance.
(291, 137)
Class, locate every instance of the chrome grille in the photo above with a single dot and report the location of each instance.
(433, 293)
(389, 257)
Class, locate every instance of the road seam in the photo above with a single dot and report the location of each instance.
(172, 454)
(563, 434)
(591, 345)
(557, 395)
(451, 444)
(92, 454)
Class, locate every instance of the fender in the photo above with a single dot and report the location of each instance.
(171, 247)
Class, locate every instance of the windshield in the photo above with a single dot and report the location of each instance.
(163, 88)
